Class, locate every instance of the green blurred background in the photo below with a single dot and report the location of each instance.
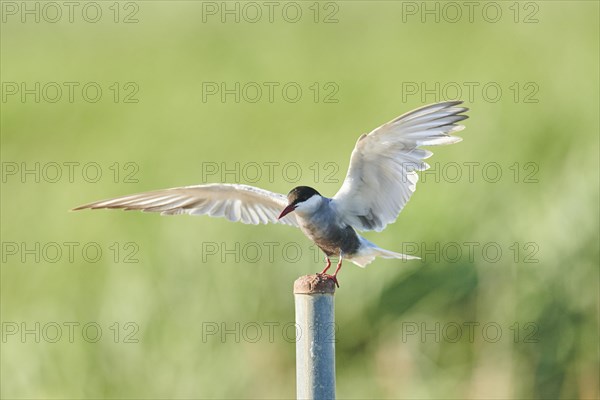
(528, 318)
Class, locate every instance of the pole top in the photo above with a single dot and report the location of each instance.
(314, 284)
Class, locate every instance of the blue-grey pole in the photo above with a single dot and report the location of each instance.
(315, 340)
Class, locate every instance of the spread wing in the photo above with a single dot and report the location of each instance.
(381, 177)
(243, 203)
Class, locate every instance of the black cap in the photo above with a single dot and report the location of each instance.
(300, 194)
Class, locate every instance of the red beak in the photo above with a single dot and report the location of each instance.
(287, 210)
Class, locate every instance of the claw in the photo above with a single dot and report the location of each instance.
(334, 278)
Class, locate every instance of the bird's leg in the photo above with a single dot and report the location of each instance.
(326, 267)
(334, 276)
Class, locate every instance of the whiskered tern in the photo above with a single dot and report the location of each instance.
(380, 180)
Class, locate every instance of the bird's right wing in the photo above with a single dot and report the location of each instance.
(247, 204)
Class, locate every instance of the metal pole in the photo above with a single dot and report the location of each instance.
(315, 341)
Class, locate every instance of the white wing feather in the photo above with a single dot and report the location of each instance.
(247, 204)
(381, 177)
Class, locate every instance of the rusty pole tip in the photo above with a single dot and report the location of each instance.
(314, 284)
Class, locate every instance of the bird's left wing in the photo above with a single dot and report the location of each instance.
(247, 204)
(382, 176)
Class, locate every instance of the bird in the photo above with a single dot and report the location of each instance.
(381, 178)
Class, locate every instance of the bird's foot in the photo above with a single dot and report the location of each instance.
(324, 274)
(327, 276)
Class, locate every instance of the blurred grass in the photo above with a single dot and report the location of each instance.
(170, 293)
